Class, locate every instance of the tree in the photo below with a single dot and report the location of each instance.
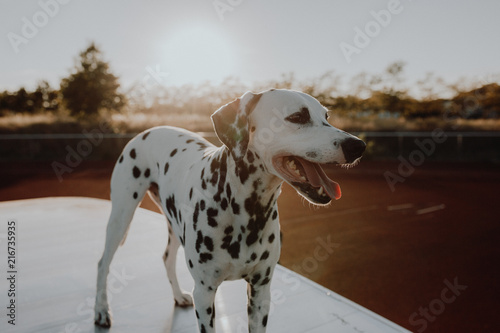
(92, 86)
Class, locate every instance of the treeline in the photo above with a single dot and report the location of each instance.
(43, 99)
(482, 102)
(91, 88)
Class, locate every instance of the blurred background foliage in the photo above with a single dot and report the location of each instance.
(366, 102)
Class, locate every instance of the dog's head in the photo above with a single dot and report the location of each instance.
(290, 132)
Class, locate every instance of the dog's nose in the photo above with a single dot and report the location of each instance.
(352, 149)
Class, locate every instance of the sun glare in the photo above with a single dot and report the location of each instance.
(197, 54)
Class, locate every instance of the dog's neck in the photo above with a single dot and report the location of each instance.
(249, 183)
(252, 174)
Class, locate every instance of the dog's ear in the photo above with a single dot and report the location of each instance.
(231, 123)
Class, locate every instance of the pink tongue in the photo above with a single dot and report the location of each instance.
(317, 178)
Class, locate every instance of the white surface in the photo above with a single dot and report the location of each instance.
(60, 240)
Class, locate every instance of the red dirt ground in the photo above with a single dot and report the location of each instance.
(393, 251)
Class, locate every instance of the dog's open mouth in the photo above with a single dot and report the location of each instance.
(308, 178)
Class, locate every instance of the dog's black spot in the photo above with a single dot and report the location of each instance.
(145, 135)
(215, 177)
(302, 117)
(183, 240)
(250, 157)
(255, 278)
(212, 317)
(253, 256)
(203, 184)
(195, 215)
(202, 205)
(275, 215)
(264, 321)
(219, 167)
(136, 172)
(268, 271)
(259, 214)
(252, 129)
(201, 145)
(147, 172)
(265, 281)
(197, 314)
(189, 141)
(135, 195)
(253, 292)
(165, 169)
(191, 193)
(214, 165)
(235, 207)
(209, 310)
(199, 241)
(202, 282)
(204, 257)
(223, 204)
(271, 238)
(209, 243)
(243, 170)
(264, 255)
(170, 204)
(133, 154)
(173, 152)
(211, 213)
(234, 250)
(184, 149)
(312, 154)
(121, 159)
(228, 191)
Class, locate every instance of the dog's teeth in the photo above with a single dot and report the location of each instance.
(297, 172)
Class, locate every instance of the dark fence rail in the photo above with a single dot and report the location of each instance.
(444, 146)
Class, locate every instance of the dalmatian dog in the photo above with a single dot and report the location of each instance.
(220, 203)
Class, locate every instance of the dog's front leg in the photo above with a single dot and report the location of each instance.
(204, 298)
(259, 302)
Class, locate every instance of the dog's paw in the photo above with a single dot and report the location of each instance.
(184, 301)
(102, 318)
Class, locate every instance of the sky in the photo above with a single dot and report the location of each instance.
(173, 42)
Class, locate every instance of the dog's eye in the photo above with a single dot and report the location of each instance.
(301, 117)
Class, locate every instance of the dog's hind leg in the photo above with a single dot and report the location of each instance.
(123, 207)
(170, 258)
